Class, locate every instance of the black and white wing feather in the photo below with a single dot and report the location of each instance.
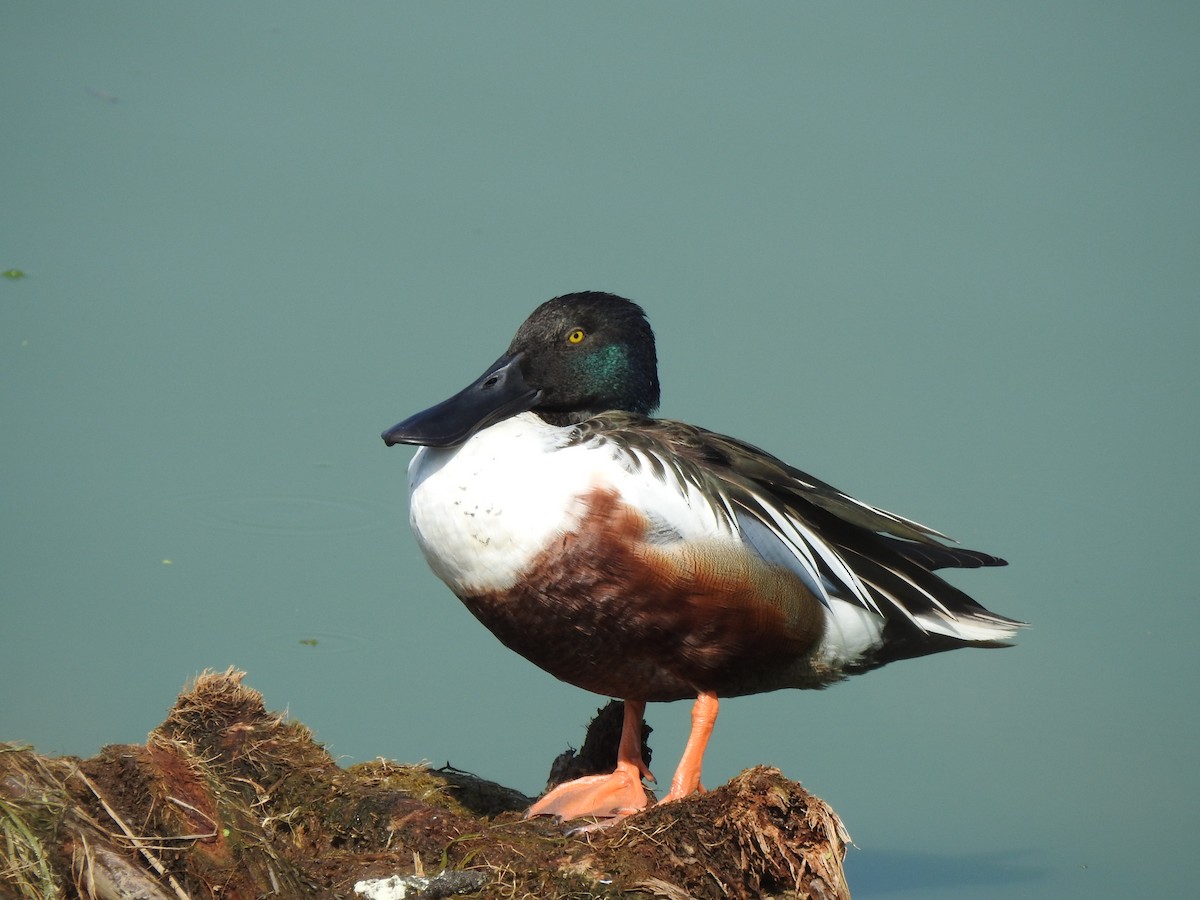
(842, 548)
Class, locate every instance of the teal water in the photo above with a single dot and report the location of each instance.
(941, 255)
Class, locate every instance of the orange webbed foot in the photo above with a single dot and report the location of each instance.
(595, 796)
(673, 794)
(609, 797)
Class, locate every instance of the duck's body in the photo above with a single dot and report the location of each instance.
(618, 584)
(652, 560)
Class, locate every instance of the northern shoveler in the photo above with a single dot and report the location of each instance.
(651, 560)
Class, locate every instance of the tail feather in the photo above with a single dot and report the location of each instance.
(933, 556)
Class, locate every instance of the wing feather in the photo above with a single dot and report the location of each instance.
(840, 547)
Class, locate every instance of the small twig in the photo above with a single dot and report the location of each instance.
(134, 839)
(85, 866)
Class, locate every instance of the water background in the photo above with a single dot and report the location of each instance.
(942, 255)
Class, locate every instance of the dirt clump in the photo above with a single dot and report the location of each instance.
(228, 800)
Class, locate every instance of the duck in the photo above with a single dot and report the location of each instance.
(650, 560)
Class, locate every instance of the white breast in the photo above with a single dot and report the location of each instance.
(483, 511)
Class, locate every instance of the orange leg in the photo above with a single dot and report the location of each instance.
(605, 796)
(687, 775)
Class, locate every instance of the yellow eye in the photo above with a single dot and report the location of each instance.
(575, 337)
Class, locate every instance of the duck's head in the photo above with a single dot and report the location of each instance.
(574, 357)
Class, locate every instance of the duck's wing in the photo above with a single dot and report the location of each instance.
(843, 549)
(747, 462)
